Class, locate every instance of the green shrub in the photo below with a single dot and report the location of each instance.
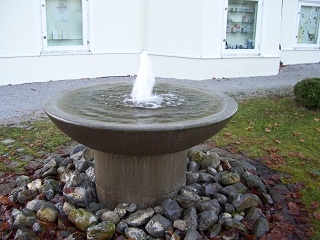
(307, 93)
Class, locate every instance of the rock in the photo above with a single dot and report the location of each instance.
(50, 172)
(82, 218)
(26, 218)
(47, 214)
(267, 199)
(222, 199)
(205, 177)
(35, 205)
(187, 201)
(252, 215)
(253, 181)
(233, 223)
(82, 165)
(25, 234)
(212, 171)
(195, 155)
(206, 220)
(25, 196)
(22, 181)
(121, 227)
(191, 218)
(232, 190)
(67, 207)
(193, 167)
(50, 163)
(229, 208)
(215, 230)
(77, 196)
(209, 205)
(121, 209)
(224, 216)
(158, 225)
(110, 216)
(211, 160)
(229, 178)
(140, 217)
(91, 174)
(135, 233)
(65, 224)
(210, 189)
(78, 149)
(192, 177)
(238, 217)
(171, 209)
(48, 190)
(192, 234)
(260, 227)
(7, 141)
(158, 210)
(101, 231)
(34, 185)
(180, 225)
(244, 201)
(39, 173)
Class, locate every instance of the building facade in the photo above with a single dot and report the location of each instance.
(44, 40)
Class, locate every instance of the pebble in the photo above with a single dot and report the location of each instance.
(61, 192)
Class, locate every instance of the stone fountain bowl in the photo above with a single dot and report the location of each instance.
(128, 134)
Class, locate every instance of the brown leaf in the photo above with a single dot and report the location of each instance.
(318, 129)
(268, 130)
(5, 226)
(277, 141)
(302, 140)
(314, 205)
(317, 119)
(248, 128)
(294, 208)
(4, 200)
(316, 215)
(297, 134)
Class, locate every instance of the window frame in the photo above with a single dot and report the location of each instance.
(306, 45)
(70, 48)
(243, 52)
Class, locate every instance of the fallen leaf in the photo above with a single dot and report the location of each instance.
(314, 205)
(248, 128)
(268, 130)
(277, 141)
(316, 215)
(4, 200)
(317, 119)
(294, 208)
(318, 129)
(302, 140)
(297, 134)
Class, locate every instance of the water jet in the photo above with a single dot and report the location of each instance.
(140, 151)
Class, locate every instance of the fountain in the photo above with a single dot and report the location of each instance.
(140, 143)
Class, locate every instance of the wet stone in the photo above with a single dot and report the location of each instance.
(253, 181)
(229, 178)
(215, 230)
(192, 177)
(261, 227)
(187, 201)
(91, 174)
(111, 217)
(47, 214)
(22, 181)
(35, 205)
(232, 190)
(121, 227)
(206, 220)
(101, 231)
(210, 189)
(233, 223)
(82, 218)
(171, 209)
(180, 225)
(135, 233)
(206, 177)
(244, 201)
(25, 234)
(209, 205)
(25, 196)
(50, 172)
(34, 185)
(193, 167)
(26, 218)
(193, 234)
(158, 225)
(140, 217)
(211, 160)
(191, 218)
(121, 209)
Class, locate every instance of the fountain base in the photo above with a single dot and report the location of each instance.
(143, 180)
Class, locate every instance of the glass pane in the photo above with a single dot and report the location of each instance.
(241, 24)
(308, 25)
(64, 22)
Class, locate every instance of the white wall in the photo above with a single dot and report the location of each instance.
(291, 52)
(183, 38)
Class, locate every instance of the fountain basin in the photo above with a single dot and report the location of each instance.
(140, 152)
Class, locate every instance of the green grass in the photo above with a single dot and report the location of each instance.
(286, 137)
(32, 138)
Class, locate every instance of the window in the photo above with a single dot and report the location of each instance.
(241, 26)
(64, 24)
(308, 27)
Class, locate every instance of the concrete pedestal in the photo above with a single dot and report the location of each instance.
(143, 180)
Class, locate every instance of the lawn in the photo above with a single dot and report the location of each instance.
(286, 138)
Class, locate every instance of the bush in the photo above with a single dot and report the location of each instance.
(307, 93)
